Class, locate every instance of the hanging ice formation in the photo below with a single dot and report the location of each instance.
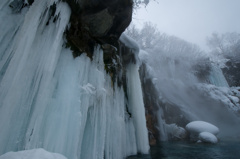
(50, 100)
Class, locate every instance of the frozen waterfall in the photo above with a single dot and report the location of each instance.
(216, 77)
(50, 100)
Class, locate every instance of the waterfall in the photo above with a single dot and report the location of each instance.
(179, 97)
(50, 100)
(216, 77)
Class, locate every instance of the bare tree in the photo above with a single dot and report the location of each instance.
(227, 44)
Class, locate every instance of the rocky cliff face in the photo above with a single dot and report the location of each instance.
(97, 22)
(160, 113)
(232, 72)
(101, 22)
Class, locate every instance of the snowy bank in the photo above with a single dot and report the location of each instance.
(32, 154)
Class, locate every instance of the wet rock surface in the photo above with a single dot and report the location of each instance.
(171, 112)
(151, 106)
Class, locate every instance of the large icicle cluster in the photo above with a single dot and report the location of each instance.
(50, 100)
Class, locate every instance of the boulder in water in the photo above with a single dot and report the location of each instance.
(203, 131)
(197, 127)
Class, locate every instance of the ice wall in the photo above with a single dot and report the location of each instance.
(50, 100)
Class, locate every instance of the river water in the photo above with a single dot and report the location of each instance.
(186, 150)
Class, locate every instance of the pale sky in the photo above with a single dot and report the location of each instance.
(192, 20)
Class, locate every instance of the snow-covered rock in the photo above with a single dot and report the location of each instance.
(208, 137)
(202, 131)
(176, 131)
(32, 154)
(230, 97)
(197, 127)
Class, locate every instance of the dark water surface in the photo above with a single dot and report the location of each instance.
(186, 150)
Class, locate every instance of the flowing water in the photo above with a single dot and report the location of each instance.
(186, 150)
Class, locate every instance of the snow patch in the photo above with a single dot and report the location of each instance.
(228, 96)
(89, 88)
(32, 154)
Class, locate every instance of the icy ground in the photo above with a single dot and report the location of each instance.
(32, 154)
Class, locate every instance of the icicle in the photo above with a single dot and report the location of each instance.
(161, 124)
(136, 107)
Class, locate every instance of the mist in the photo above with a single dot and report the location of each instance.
(191, 20)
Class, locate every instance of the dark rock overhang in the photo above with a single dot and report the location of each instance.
(97, 22)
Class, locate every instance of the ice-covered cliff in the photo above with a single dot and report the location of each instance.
(79, 107)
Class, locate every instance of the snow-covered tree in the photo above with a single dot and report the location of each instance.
(226, 48)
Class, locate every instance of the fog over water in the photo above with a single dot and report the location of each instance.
(191, 20)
